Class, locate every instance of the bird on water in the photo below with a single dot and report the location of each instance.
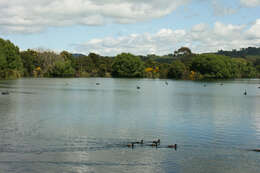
(172, 146)
(5, 93)
(131, 145)
(245, 93)
(157, 142)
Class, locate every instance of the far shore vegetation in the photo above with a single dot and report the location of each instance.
(181, 64)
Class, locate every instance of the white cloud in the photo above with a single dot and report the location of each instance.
(34, 15)
(254, 31)
(200, 38)
(250, 3)
(221, 10)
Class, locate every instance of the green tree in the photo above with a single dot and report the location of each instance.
(243, 69)
(127, 65)
(3, 65)
(10, 60)
(62, 69)
(29, 59)
(212, 66)
(68, 57)
(183, 51)
(177, 70)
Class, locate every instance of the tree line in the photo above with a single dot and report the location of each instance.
(182, 64)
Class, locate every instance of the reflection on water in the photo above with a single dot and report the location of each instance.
(74, 125)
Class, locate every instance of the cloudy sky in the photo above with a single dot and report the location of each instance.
(109, 27)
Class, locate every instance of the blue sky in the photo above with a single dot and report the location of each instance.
(109, 27)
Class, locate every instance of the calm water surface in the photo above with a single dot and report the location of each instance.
(76, 126)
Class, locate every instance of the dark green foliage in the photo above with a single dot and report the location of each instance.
(212, 66)
(10, 60)
(244, 52)
(177, 70)
(183, 64)
(29, 59)
(163, 70)
(183, 51)
(222, 67)
(62, 69)
(243, 69)
(127, 65)
(93, 65)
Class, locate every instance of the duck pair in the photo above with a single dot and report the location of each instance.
(154, 143)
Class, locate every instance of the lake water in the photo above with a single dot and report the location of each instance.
(76, 126)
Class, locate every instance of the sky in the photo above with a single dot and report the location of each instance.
(110, 27)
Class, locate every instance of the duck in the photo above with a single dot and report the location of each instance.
(97, 83)
(245, 93)
(137, 87)
(172, 146)
(131, 145)
(154, 145)
(166, 82)
(157, 142)
(141, 142)
(5, 93)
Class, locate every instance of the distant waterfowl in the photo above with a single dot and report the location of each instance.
(259, 87)
(97, 83)
(5, 93)
(172, 146)
(141, 142)
(166, 82)
(245, 93)
(154, 144)
(221, 84)
(157, 142)
(137, 87)
(131, 145)
(204, 85)
(256, 150)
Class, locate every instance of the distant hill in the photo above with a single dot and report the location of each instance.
(252, 54)
(76, 55)
(244, 52)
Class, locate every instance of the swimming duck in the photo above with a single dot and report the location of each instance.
(131, 145)
(141, 142)
(5, 93)
(97, 83)
(154, 145)
(137, 87)
(245, 93)
(157, 142)
(172, 146)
